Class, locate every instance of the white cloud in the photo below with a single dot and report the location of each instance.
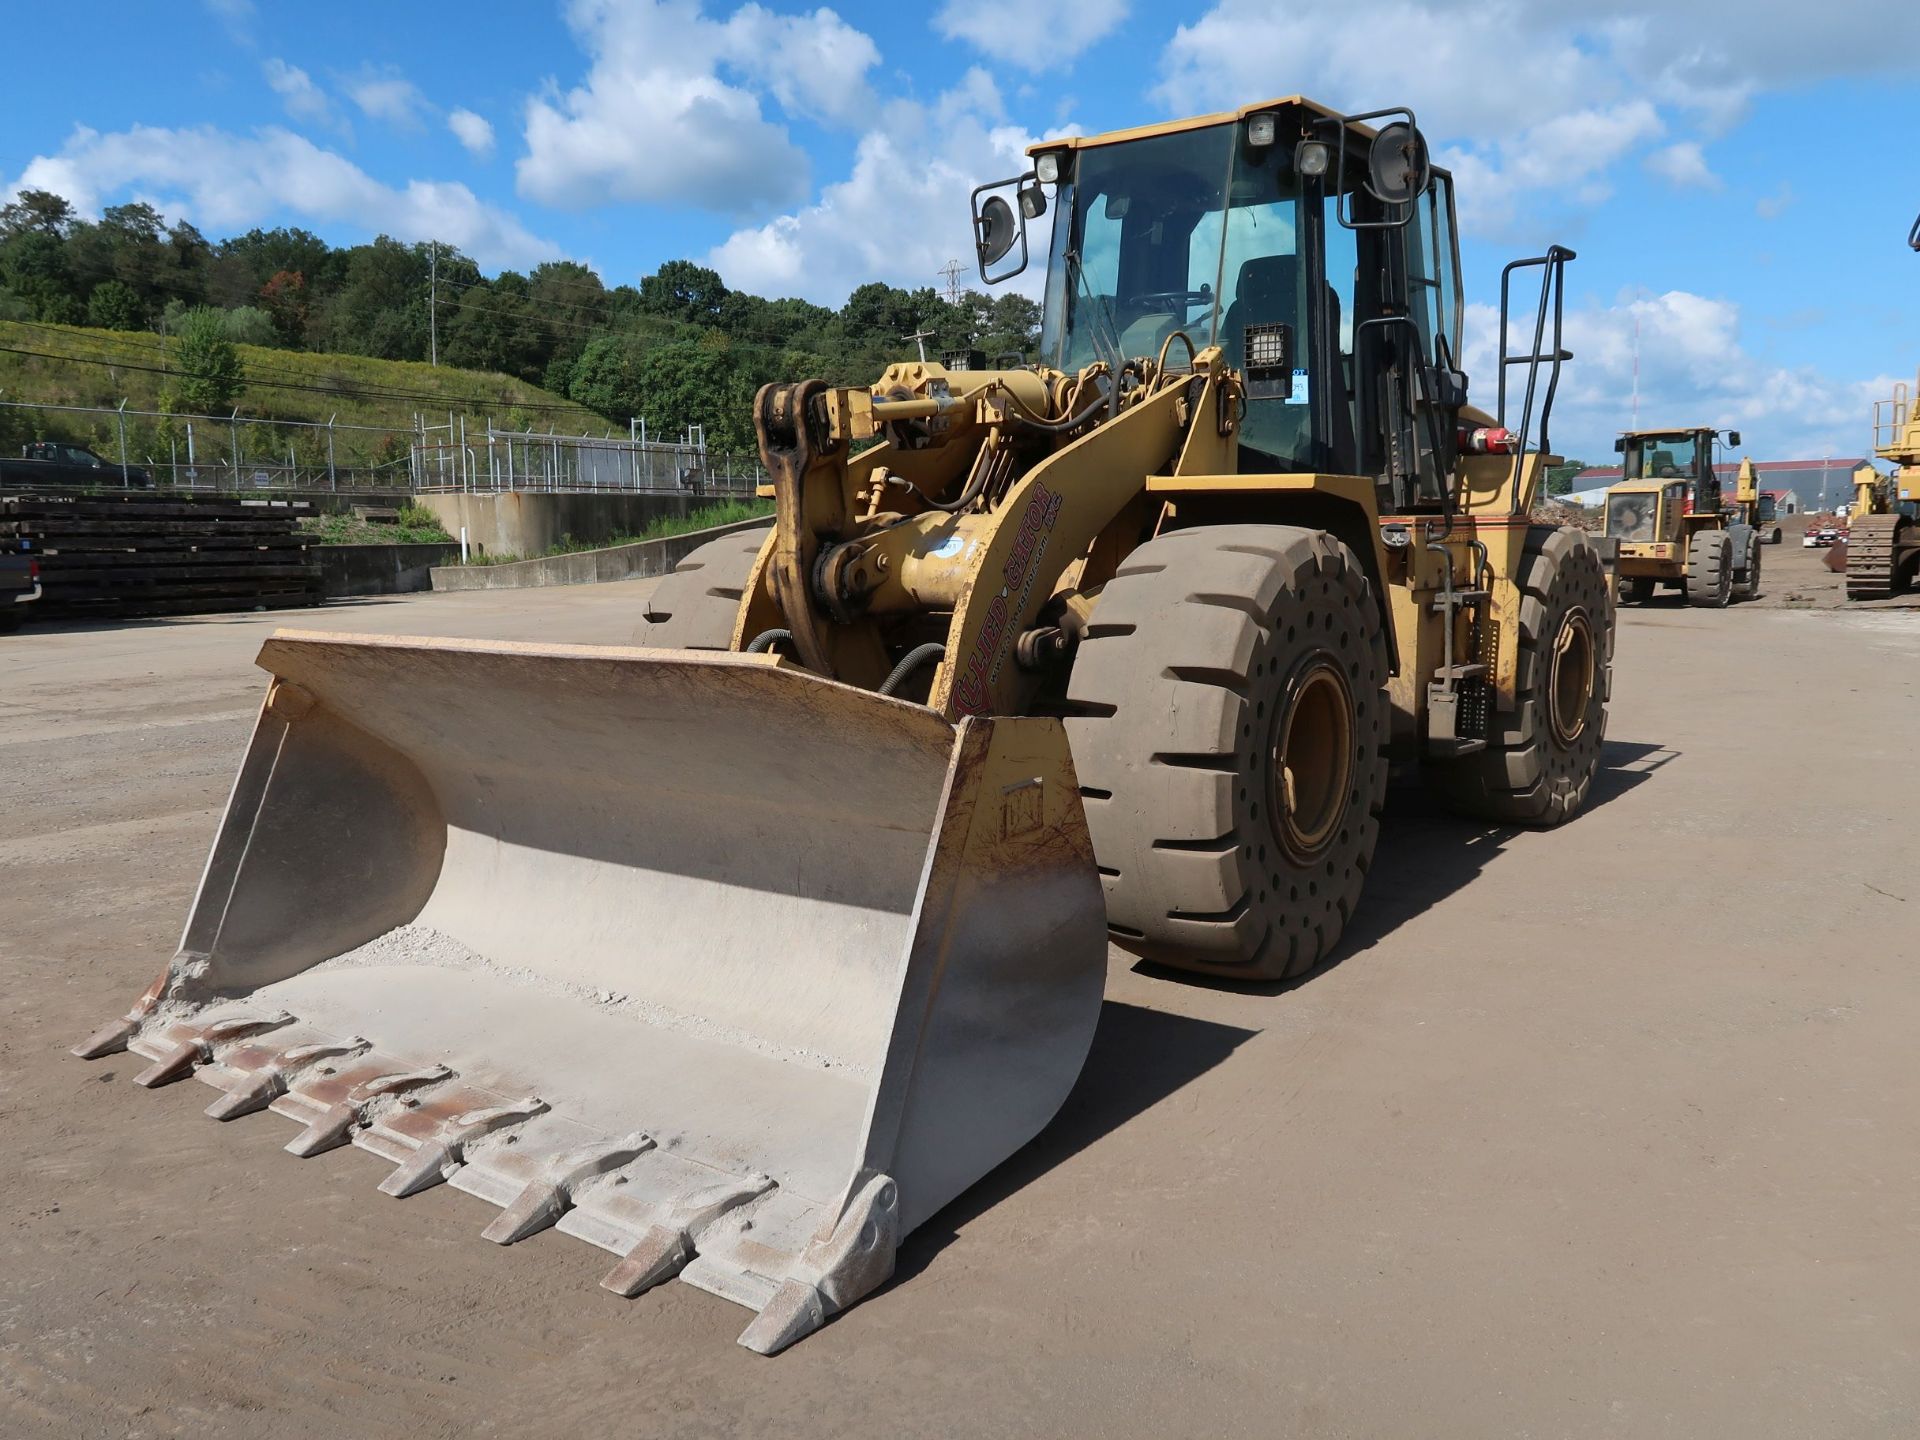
(1535, 96)
(670, 110)
(472, 131)
(387, 95)
(1684, 166)
(814, 65)
(1005, 29)
(1694, 368)
(902, 212)
(303, 99)
(1772, 207)
(227, 182)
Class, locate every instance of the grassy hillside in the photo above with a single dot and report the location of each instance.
(102, 367)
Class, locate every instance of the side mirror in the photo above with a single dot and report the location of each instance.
(1397, 165)
(997, 230)
(997, 225)
(1619, 444)
(1733, 438)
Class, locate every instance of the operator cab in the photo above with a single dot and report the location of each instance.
(1310, 247)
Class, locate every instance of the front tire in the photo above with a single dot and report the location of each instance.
(1229, 721)
(1636, 589)
(1710, 569)
(1541, 758)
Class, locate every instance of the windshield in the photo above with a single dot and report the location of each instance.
(1176, 232)
(1661, 457)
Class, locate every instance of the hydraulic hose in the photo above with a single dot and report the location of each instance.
(910, 662)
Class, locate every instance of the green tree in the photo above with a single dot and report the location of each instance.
(35, 211)
(33, 265)
(250, 325)
(682, 290)
(114, 306)
(1560, 477)
(211, 375)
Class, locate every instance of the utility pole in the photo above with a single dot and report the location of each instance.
(433, 302)
(920, 338)
(953, 270)
(1636, 369)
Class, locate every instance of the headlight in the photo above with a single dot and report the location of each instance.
(1261, 128)
(1312, 158)
(1046, 168)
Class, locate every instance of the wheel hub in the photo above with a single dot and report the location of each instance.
(1570, 677)
(1312, 757)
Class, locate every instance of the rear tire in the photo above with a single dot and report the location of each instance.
(696, 605)
(1747, 587)
(1710, 569)
(1540, 759)
(1216, 656)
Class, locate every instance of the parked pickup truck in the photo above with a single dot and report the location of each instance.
(53, 462)
(19, 586)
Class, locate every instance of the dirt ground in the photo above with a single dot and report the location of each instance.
(1610, 1131)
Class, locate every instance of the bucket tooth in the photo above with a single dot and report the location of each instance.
(665, 1247)
(337, 1124)
(109, 1039)
(112, 1038)
(270, 1081)
(544, 1200)
(847, 1263)
(435, 1160)
(195, 1046)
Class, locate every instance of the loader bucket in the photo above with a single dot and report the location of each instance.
(735, 972)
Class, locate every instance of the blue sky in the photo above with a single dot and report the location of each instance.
(1731, 176)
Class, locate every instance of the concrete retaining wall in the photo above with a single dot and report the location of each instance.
(379, 569)
(520, 522)
(586, 567)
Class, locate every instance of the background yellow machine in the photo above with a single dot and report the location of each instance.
(740, 965)
(1882, 552)
(1753, 507)
(1671, 526)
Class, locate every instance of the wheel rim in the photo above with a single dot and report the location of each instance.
(1570, 678)
(1312, 758)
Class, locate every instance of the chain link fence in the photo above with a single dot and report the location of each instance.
(138, 449)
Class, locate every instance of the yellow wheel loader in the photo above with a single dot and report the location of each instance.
(1881, 554)
(742, 953)
(1672, 527)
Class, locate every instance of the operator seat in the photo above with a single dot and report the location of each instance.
(1268, 290)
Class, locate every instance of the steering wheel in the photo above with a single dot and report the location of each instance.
(1175, 297)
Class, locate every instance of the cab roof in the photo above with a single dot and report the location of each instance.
(1670, 430)
(1195, 122)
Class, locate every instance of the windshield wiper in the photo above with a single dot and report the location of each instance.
(1110, 340)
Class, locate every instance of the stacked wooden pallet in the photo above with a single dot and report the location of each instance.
(161, 554)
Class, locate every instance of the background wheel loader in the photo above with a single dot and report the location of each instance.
(1671, 525)
(742, 955)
